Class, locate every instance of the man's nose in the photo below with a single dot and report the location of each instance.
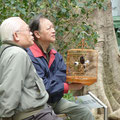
(31, 33)
(53, 30)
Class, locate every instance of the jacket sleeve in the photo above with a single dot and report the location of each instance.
(53, 80)
(11, 85)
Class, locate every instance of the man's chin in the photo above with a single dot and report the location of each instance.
(52, 41)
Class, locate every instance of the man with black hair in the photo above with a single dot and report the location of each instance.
(52, 69)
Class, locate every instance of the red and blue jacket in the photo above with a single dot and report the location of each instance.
(53, 72)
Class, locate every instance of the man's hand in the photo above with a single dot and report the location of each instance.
(75, 86)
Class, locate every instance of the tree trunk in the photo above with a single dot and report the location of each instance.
(107, 87)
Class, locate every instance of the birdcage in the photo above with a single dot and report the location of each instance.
(82, 66)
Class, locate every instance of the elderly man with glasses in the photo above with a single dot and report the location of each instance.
(22, 92)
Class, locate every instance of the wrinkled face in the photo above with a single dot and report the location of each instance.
(24, 36)
(47, 31)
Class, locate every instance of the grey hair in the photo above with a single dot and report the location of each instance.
(9, 27)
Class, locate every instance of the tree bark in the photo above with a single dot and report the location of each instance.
(107, 87)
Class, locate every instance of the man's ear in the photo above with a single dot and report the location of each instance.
(15, 36)
(37, 34)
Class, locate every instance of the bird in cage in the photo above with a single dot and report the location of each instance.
(81, 65)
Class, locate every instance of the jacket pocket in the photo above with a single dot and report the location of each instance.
(41, 88)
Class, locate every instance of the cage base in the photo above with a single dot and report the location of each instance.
(83, 80)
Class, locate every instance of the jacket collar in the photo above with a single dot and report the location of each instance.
(8, 42)
(37, 52)
(11, 43)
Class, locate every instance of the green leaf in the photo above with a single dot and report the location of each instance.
(12, 2)
(42, 6)
(83, 11)
(63, 10)
(50, 2)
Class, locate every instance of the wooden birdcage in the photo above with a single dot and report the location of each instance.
(82, 66)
